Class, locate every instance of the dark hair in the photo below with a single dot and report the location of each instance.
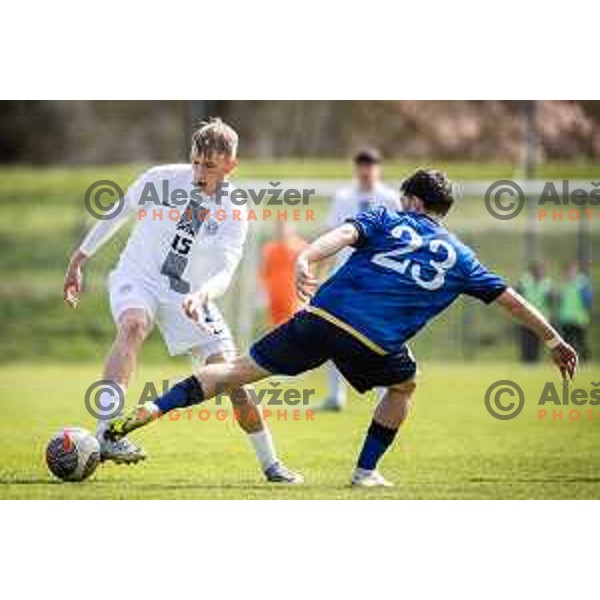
(432, 187)
(367, 156)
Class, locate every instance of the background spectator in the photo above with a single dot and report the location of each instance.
(574, 309)
(537, 288)
(277, 272)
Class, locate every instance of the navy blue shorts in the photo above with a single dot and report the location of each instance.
(306, 341)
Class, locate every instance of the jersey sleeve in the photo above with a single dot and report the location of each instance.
(104, 230)
(226, 254)
(367, 223)
(480, 282)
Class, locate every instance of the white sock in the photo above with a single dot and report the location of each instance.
(262, 443)
(108, 401)
(337, 388)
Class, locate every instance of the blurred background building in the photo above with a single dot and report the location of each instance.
(112, 132)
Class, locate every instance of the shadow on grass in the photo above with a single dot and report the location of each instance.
(534, 480)
(93, 484)
(31, 481)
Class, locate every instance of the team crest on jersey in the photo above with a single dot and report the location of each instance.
(211, 226)
(126, 289)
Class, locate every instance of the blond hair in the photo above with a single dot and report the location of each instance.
(215, 137)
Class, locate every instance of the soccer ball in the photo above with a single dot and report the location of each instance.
(73, 454)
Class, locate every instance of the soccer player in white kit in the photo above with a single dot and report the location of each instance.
(366, 192)
(180, 257)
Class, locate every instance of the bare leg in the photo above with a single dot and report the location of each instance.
(214, 378)
(208, 381)
(250, 418)
(394, 406)
(217, 377)
(248, 414)
(133, 328)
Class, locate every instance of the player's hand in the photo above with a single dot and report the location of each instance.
(73, 282)
(194, 307)
(565, 358)
(306, 283)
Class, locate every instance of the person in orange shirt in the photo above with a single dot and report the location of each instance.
(278, 272)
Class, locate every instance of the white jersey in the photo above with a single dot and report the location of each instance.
(349, 201)
(180, 244)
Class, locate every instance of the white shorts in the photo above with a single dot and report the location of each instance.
(181, 335)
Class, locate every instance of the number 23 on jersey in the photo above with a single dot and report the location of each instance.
(399, 260)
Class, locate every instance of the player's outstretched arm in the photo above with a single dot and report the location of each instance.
(97, 236)
(226, 253)
(563, 355)
(323, 247)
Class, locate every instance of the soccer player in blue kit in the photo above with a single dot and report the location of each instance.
(406, 268)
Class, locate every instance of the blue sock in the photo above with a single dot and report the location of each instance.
(185, 393)
(378, 440)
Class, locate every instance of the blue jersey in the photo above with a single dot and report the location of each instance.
(406, 269)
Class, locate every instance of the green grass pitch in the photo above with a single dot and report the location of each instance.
(450, 448)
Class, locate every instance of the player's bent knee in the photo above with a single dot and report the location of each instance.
(133, 328)
(405, 388)
(225, 356)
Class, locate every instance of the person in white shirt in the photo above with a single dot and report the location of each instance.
(180, 257)
(365, 193)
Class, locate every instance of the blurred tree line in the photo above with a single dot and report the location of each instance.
(109, 132)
